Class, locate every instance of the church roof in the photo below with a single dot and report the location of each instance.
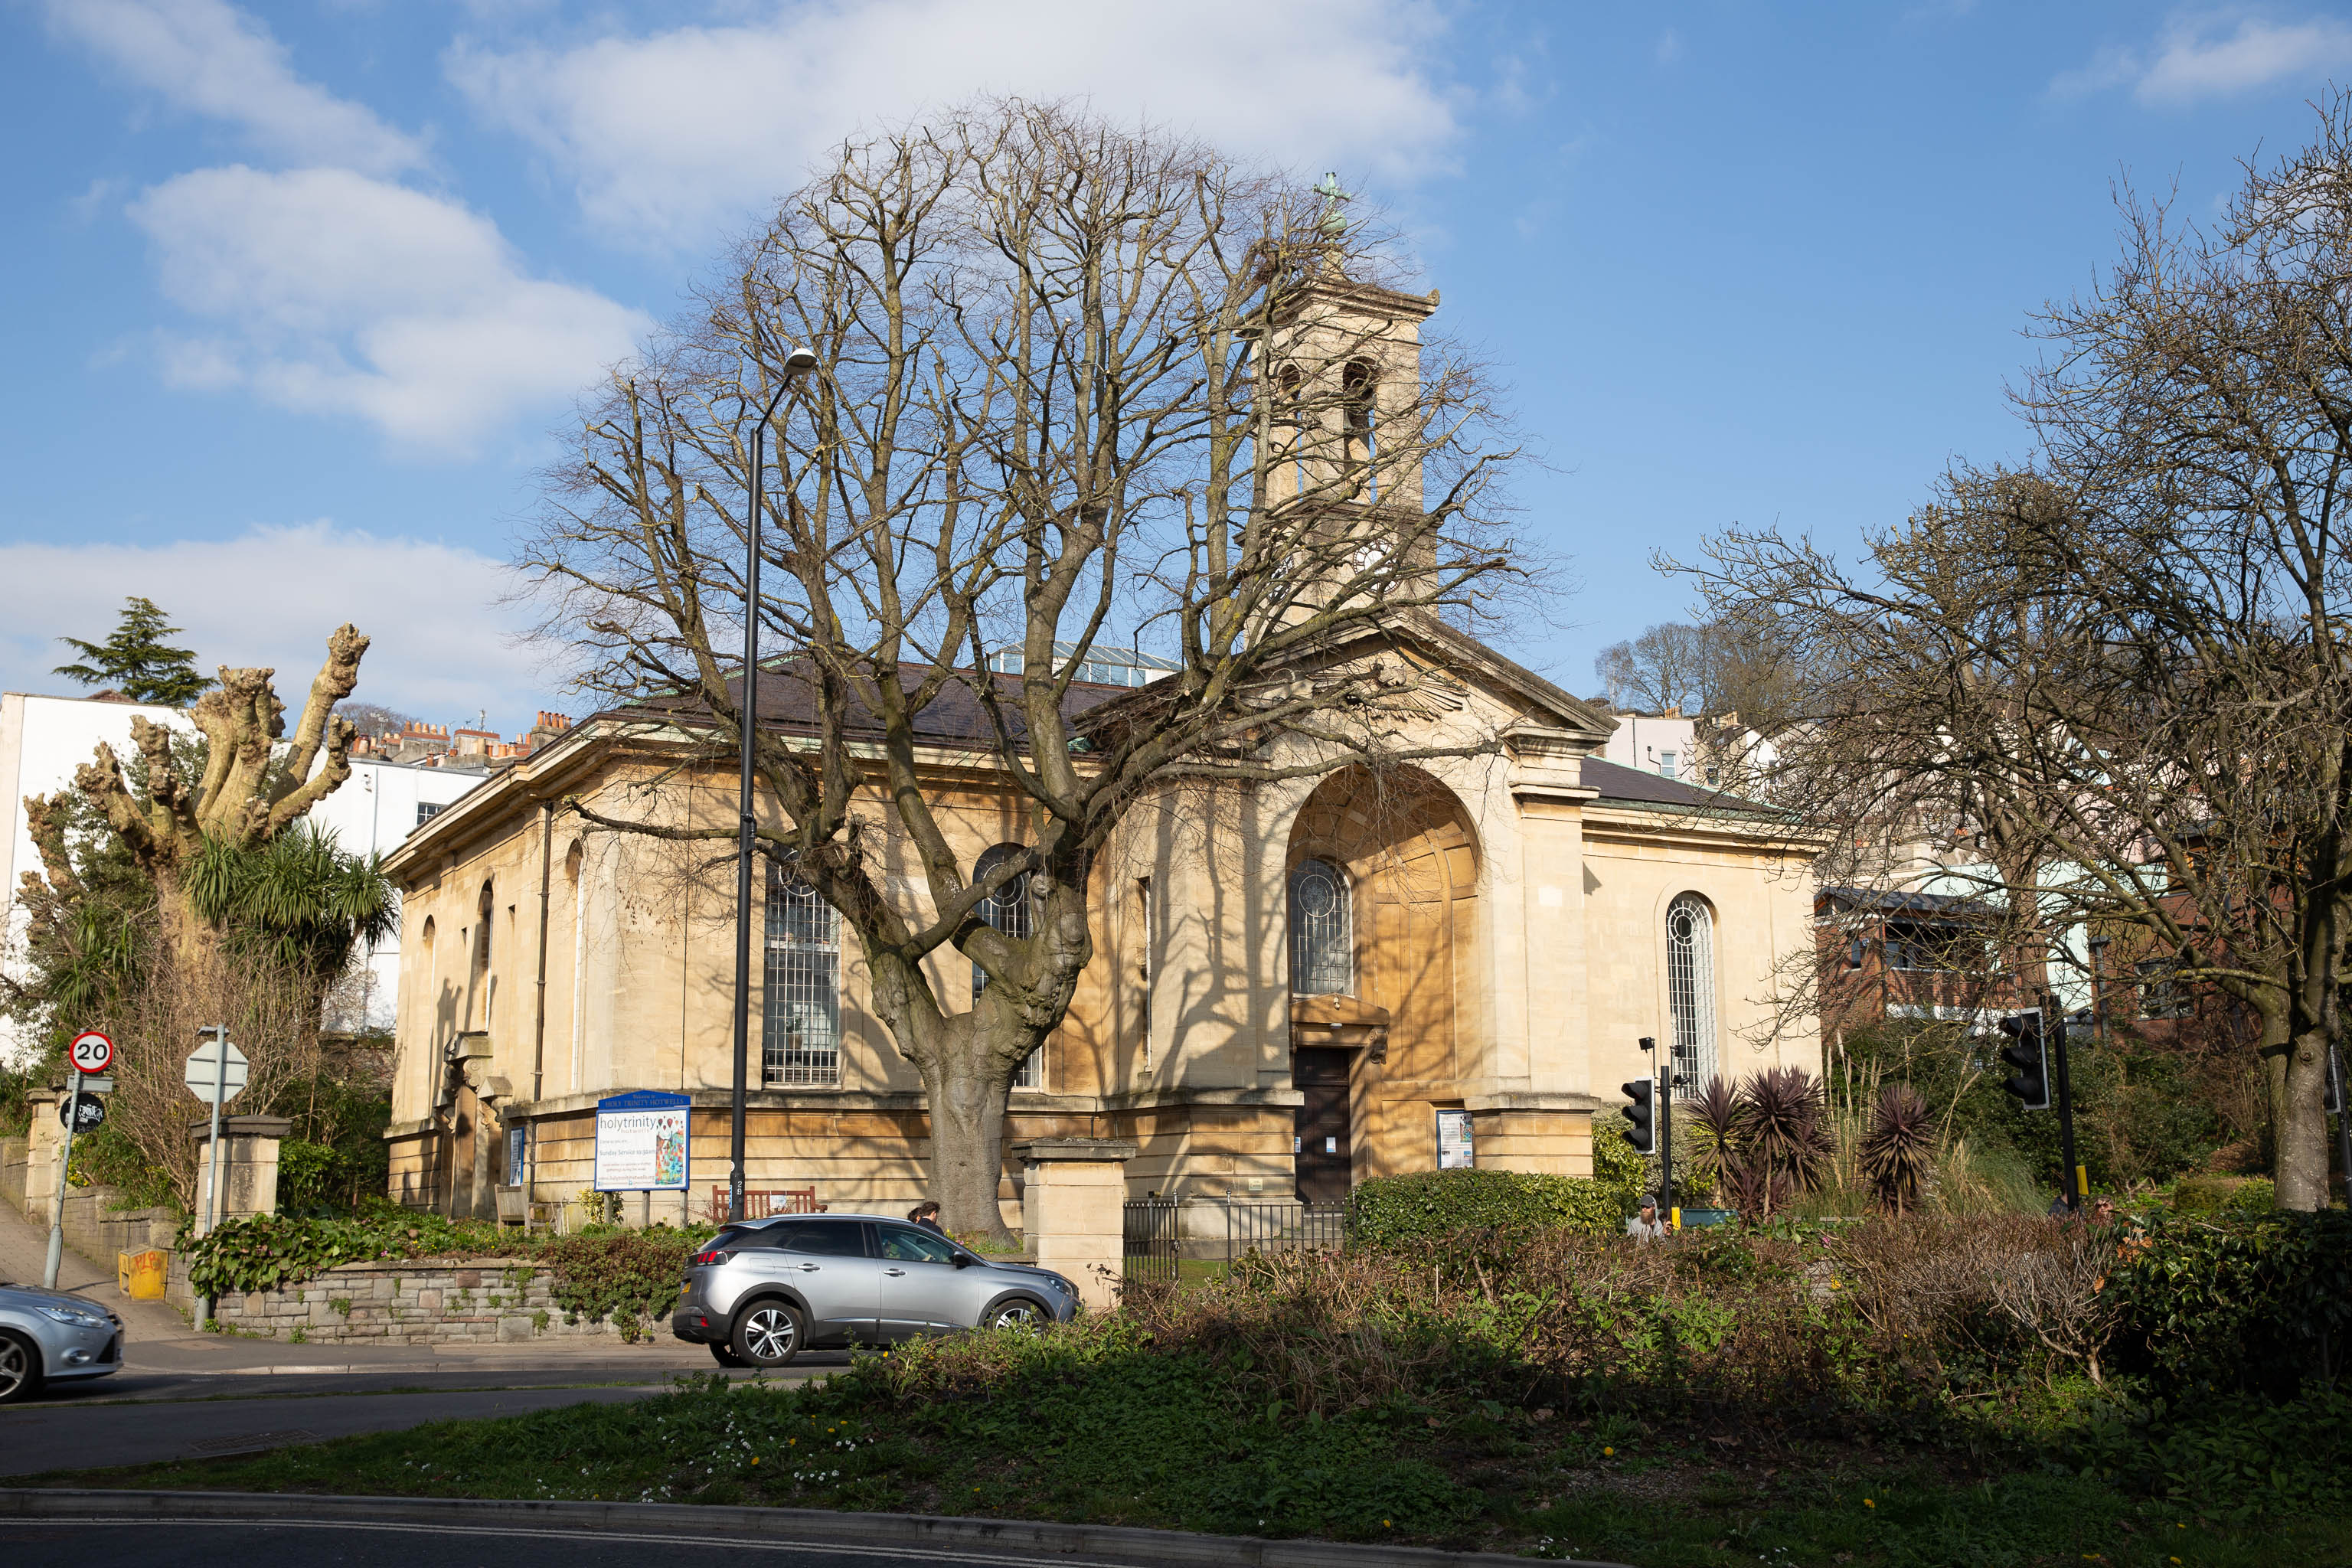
(1631, 785)
(788, 701)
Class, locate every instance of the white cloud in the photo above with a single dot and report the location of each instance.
(271, 597)
(206, 57)
(335, 293)
(669, 134)
(2197, 56)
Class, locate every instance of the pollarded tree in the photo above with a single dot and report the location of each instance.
(1083, 385)
(247, 790)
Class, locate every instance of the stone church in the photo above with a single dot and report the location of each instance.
(1295, 986)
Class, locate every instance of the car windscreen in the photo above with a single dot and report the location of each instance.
(908, 1244)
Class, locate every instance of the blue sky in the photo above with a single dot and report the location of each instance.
(300, 291)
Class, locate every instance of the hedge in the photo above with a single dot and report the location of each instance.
(2259, 1303)
(1422, 1205)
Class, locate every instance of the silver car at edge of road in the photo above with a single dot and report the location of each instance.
(762, 1291)
(53, 1336)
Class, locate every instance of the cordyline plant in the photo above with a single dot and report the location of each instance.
(1081, 386)
(1763, 1145)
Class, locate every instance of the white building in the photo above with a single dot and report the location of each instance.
(1665, 744)
(44, 738)
(379, 805)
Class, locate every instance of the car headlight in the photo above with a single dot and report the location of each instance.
(78, 1317)
(1063, 1286)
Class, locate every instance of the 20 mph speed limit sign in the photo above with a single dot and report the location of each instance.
(91, 1051)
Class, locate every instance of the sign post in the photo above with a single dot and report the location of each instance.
(215, 1071)
(91, 1052)
(643, 1143)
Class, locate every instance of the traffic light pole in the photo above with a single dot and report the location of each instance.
(2071, 1184)
(1667, 1140)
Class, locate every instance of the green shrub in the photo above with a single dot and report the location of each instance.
(626, 1277)
(1423, 1206)
(2260, 1303)
(305, 1173)
(2224, 1194)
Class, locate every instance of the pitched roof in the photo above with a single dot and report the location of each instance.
(1616, 782)
(787, 700)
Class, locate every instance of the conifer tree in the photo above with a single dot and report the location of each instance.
(137, 662)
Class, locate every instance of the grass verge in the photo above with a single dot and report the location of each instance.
(1152, 1440)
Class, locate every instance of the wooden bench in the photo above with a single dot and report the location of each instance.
(768, 1203)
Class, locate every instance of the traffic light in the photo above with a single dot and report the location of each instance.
(2030, 1056)
(1640, 1117)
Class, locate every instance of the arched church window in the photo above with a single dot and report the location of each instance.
(1292, 418)
(1358, 436)
(1690, 988)
(477, 973)
(1007, 910)
(800, 1030)
(1322, 945)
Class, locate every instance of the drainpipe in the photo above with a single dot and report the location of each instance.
(539, 1012)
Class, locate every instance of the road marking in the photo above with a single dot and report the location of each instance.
(738, 1542)
(213, 1447)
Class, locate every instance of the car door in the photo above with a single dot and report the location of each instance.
(828, 1262)
(920, 1280)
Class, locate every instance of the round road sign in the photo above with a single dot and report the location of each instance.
(91, 1051)
(82, 1112)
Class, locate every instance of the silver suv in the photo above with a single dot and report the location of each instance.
(761, 1292)
(53, 1335)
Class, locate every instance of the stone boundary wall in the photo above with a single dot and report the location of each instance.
(417, 1301)
(94, 1227)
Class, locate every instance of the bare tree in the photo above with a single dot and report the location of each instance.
(1084, 385)
(1721, 667)
(2122, 677)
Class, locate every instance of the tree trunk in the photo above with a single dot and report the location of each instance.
(193, 942)
(966, 1085)
(2298, 1076)
(967, 1106)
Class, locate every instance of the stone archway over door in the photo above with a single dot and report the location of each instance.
(1411, 1026)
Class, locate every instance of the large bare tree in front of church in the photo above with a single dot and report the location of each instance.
(1083, 386)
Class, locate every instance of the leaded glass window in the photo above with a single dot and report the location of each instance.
(1322, 942)
(1690, 988)
(801, 1026)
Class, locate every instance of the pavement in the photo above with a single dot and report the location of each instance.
(184, 1394)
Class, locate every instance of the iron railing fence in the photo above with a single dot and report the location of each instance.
(1283, 1228)
(1154, 1240)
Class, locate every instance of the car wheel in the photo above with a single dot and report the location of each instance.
(768, 1333)
(20, 1368)
(725, 1356)
(1018, 1314)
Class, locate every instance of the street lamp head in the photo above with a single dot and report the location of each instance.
(798, 364)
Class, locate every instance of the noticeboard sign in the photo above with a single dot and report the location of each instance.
(642, 1142)
(1454, 1148)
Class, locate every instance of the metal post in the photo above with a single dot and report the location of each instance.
(2071, 1184)
(57, 1214)
(1666, 1139)
(747, 725)
(219, 1032)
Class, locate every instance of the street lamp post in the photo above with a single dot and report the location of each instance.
(797, 363)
